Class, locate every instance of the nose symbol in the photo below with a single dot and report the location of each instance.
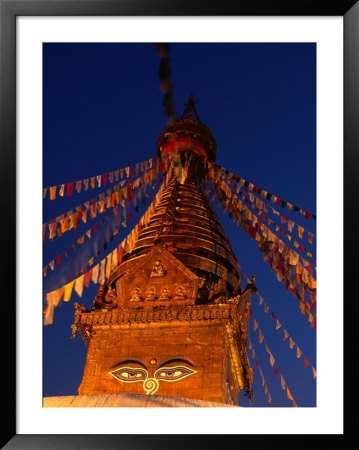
(151, 386)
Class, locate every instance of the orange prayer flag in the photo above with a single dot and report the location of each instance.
(291, 343)
(285, 335)
(266, 309)
(278, 325)
(314, 372)
(282, 382)
(289, 394)
(299, 352)
(255, 325)
(271, 359)
(260, 337)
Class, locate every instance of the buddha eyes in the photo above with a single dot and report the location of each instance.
(173, 373)
(129, 374)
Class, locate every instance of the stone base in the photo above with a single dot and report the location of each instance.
(127, 400)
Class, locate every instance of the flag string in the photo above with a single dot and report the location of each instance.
(265, 194)
(63, 223)
(286, 335)
(272, 362)
(97, 181)
(276, 226)
(280, 257)
(98, 273)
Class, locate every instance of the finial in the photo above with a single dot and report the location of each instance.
(190, 108)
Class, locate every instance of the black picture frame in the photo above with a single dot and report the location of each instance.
(9, 10)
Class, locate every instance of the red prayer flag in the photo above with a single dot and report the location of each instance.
(307, 215)
(301, 248)
(256, 364)
(87, 277)
(95, 227)
(276, 371)
(306, 362)
(70, 188)
(105, 178)
(255, 188)
(58, 259)
(279, 201)
(273, 316)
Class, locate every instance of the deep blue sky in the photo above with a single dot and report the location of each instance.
(103, 111)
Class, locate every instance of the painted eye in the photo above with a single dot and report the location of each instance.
(129, 375)
(173, 373)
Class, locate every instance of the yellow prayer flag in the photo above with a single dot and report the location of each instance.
(278, 325)
(67, 290)
(299, 352)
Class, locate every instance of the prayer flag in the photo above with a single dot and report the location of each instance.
(271, 359)
(52, 298)
(53, 192)
(260, 337)
(102, 271)
(94, 275)
(87, 277)
(79, 284)
(276, 371)
(70, 188)
(78, 186)
(67, 290)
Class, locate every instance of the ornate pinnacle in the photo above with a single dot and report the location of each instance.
(190, 108)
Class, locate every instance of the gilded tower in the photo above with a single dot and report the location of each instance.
(172, 320)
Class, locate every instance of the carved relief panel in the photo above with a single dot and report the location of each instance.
(159, 279)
